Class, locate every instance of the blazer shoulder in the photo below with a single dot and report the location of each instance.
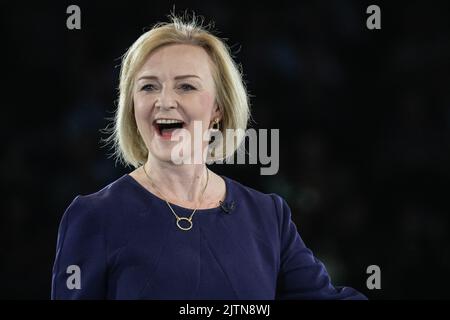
(269, 202)
(90, 206)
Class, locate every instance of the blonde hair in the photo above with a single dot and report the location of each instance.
(232, 98)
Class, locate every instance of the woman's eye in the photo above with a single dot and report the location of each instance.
(148, 87)
(187, 87)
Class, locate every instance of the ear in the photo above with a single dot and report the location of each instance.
(217, 112)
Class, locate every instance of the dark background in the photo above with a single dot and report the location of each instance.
(364, 119)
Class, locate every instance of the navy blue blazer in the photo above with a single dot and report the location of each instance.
(122, 242)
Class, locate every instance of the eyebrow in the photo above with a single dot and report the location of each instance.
(184, 76)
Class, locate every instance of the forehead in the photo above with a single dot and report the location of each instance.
(175, 59)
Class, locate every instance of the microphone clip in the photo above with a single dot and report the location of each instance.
(227, 207)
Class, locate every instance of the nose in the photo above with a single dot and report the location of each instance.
(166, 100)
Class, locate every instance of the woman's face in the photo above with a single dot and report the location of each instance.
(173, 90)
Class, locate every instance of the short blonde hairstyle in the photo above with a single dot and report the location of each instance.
(231, 94)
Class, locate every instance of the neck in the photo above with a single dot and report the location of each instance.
(182, 182)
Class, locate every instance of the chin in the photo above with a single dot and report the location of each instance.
(163, 153)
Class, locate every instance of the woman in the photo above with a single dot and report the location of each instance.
(172, 228)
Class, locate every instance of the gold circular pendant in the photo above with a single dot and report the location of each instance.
(189, 227)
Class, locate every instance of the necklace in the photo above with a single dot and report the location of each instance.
(180, 219)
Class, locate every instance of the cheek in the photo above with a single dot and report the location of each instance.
(142, 112)
(142, 109)
(206, 105)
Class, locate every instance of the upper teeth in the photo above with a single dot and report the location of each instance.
(161, 121)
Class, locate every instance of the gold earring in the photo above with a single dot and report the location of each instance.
(216, 125)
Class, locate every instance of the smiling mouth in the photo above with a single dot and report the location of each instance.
(165, 127)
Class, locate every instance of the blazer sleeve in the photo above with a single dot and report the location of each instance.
(301, 275)
(79, 270)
